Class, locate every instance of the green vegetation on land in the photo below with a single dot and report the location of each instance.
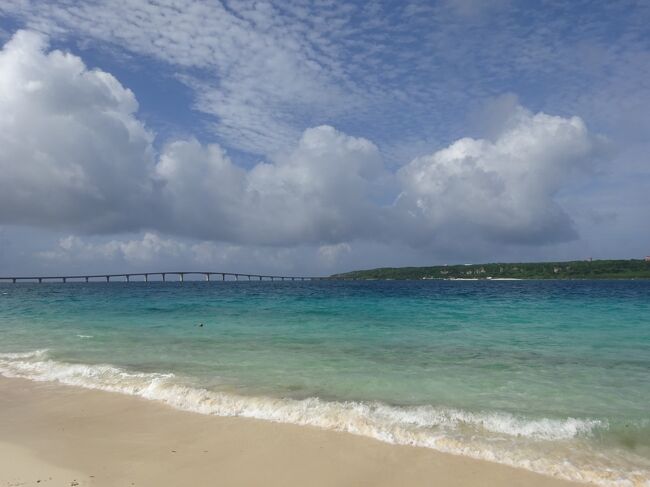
(577, 269)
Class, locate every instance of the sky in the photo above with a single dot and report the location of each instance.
(313, 137)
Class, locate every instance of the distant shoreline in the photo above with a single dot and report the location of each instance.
(508, 279)
(570, 270)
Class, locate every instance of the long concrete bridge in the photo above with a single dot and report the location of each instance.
(164, 276)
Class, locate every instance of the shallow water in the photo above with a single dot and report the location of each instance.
(553, 376)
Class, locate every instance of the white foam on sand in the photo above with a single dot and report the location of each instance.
(493, 436)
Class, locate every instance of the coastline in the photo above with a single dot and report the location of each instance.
(63, 435)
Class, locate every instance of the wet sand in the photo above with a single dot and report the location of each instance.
(54, 435)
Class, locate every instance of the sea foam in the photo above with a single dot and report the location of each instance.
(494, 436)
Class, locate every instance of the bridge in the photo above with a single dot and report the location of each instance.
(164, 276)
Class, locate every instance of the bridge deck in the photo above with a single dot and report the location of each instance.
(163, 276)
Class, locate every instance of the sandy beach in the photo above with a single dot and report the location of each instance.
(55, 435)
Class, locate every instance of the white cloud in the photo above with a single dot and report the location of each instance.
(330, 254)
(504, 189)
(320, 191)
(74, 247)
(76, 156)
(151, 247)
(214, 254)
(473, 8)
(150, 251)
(73, 152)
(258, 73)
(395, 71)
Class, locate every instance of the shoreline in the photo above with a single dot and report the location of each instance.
(62, 435)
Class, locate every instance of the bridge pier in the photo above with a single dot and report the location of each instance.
(181, 276)
(128, 278)
(40, 280)
(14, 280)
(223, 277)
(65, 279)
(108, 278)
(163, 276)
(207, 277)
(86, 278)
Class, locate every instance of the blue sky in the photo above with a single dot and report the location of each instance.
(321, 136)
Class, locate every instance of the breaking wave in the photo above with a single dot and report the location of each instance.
(494, 436)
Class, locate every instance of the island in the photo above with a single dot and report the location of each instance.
(576, 269)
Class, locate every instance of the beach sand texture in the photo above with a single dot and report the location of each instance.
(53, 435)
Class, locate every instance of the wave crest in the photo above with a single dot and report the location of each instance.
(493, 436)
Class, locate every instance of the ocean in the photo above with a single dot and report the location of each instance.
(551, 376)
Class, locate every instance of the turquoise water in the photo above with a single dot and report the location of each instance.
(553, 376)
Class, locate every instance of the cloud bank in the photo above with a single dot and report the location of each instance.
(75, 156)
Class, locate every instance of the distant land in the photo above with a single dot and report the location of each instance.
(576, 269)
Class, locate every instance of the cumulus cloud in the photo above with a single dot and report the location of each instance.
(504, 189)
(76, 156)
(143, 250)
(330, 254)
(150, 251)
(266, 72)
(73, 152)
(319, 192)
